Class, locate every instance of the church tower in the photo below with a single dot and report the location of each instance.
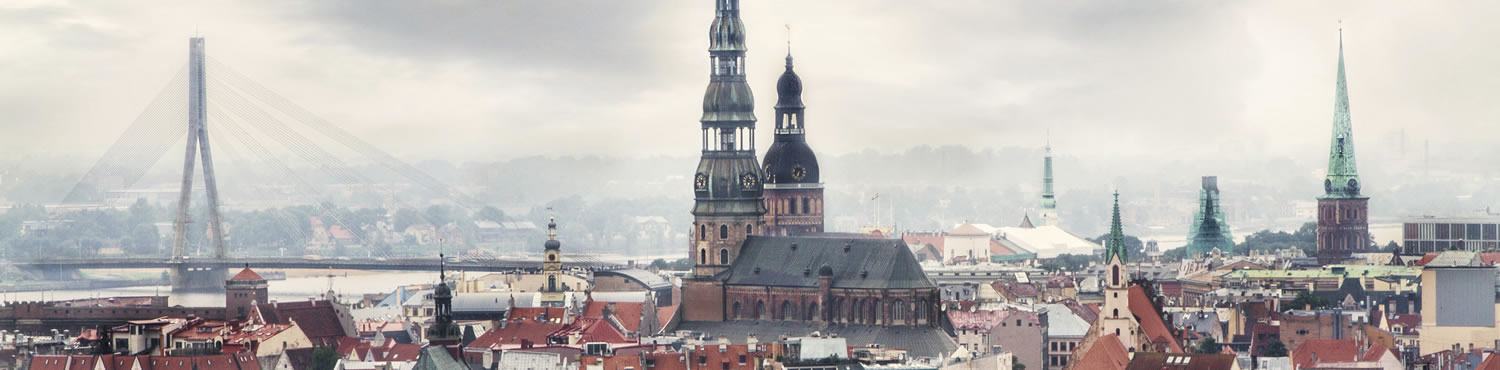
(1209, 230)
(553, 292)
(1049, 201)
(727, 188)
(1114, 316)
(444, 332)
(794, 195)
(1343, 227)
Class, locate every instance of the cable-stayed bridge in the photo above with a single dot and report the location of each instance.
(215, 110)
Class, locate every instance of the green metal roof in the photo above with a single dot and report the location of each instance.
(1343, 176)
(1116, 244)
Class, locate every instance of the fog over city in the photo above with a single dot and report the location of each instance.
(957, 95)
(749, 184)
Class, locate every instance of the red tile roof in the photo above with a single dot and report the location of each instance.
(247, 274)
(592, 330)
(935, 240)
(1490, 363)
(318, 319)
(628, 313)
(536, 313)
(1314, 351)
(1106, 353)
(1407, 321)
(514, 332)
(1150, 320)
(402, 352)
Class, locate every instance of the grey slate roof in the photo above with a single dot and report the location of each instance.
(864, 264)
(917, 341)
(649, 279)
(437, 358)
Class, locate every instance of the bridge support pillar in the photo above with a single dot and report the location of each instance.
(59, 273)
(186, 278)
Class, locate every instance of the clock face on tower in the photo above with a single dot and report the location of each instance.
(770, 176)
(798, 172)
(748, 180)
(700, 182)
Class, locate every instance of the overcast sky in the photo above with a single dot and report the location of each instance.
(491, 80)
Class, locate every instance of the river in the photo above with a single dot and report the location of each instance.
(349, 286)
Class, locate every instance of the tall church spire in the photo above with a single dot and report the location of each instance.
(1049, 199)
(728, 189)
(1343, 177)
(1116, 240)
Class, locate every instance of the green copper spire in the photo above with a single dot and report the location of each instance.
(1343, 177)
(1049, 200)
(1116, 243)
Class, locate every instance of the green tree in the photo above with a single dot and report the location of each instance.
(1307, 300)
(439, 215)
(1133, 245)
(491, 214)
(406, 217)
(324, 358)
(1209, 346)
(1305, 238)
(1274, 349)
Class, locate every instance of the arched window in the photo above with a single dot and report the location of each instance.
(703, 256)
(723, 232)
(724, 256)
(749, 231)
(735, 312)
(1114, 275)
(760, 310)
(702, 232)
(552, 283)
(806, 206)
(898, 312)
(812, 312)
(1116, 313)
(1117, 332)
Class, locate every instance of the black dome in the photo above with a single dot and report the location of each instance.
(825, 270)
(791, 161)
(552, 245)
(789, 88)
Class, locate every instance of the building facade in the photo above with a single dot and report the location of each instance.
(1437, 234)
(793, 191)
(242, 292)
(1343, 223)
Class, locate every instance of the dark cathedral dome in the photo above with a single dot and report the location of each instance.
(825, 270)
(789, 87)
(728, 100)
(791, 161)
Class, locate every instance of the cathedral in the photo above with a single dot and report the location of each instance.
(1343, 227)
(762, 260)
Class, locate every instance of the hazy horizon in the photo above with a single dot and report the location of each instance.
(479, 81)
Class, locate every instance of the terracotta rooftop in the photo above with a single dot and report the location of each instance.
(247, 274)
(1150, 320)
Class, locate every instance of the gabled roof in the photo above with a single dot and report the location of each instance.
(1151, 323)
(319, 320)
(514, 332)
(628, 313)
(1106, 353)
(856, 263)
(1314, 351)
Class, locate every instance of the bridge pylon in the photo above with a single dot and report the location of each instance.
(197, 144)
